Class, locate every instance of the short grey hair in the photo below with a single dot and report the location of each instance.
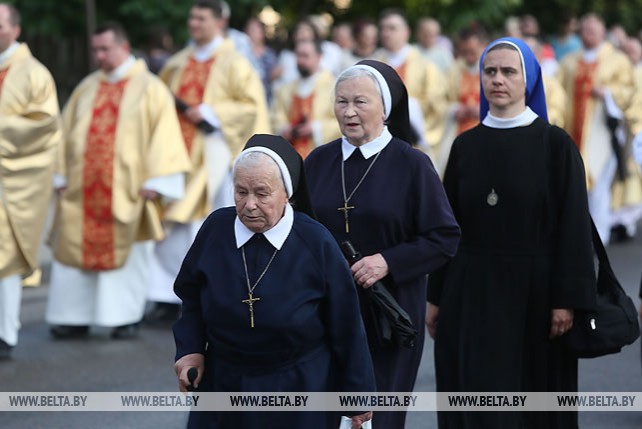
(355, 72)
(255, 160)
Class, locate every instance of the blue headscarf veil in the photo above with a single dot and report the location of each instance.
(535, 97)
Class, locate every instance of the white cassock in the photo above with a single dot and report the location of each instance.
(167, 255)
(10, 295)
(603, 164)
(113, 297)
(629, 216)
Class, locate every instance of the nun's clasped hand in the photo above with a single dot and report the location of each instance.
(369, 270)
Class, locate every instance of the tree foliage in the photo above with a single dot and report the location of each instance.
(57, 30)
(54, 18)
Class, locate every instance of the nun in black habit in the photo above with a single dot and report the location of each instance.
(499, 309)
(373, 188)
(268, 299)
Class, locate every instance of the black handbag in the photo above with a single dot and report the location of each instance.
(613, 323)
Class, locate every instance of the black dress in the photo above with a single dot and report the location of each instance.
(518, 259)
(402, 212)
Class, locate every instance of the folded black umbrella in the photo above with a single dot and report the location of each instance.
(392, 323)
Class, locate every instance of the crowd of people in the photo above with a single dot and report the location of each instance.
(596, 103)
(464, 170)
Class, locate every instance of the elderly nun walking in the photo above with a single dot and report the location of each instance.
(268, 300)
(373, 188)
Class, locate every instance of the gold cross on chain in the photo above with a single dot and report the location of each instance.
(250, 302)
(345, 209)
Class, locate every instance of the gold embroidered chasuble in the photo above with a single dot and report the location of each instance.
(425, 83)
(301, 111)
(117, 136)
(235, 93)
(191, 92)
(288, 107)
(29, 134)
(97, 180)
(469, 97)
(613, 71)
(582, 87)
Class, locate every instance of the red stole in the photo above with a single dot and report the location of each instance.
(300, 111)
(469, 97)
(3, 74)
(98, 174)
(582, 86)
(191, 90)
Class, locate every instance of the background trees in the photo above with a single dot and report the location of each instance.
(57, 30)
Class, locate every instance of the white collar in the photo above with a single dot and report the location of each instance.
(525, 118)
(395, 59)
(306, 85)
(119, 72)
(590, 55)
(4, 56)
(368, 149)
(275, 235)
(203, 53)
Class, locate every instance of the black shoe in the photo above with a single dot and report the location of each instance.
(125, 332)
(163, 313)
(66, 332)
(5, 350)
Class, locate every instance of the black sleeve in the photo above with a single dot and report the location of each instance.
(436, 231)
(573, 271)
(189, 329)
(437, 278)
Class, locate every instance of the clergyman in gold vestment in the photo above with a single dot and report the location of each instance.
(29, 134)
(218, 85)
(123, 157)
(303, 110)
(598, 81)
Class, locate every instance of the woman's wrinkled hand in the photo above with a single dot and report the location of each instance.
(181, 366)
(369, 270)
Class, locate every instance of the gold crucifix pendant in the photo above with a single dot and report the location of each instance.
(250, 302)
(345, 209)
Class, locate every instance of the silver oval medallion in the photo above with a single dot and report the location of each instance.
(492, 198)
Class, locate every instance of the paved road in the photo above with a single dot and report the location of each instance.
(145, 364)
(615, 373)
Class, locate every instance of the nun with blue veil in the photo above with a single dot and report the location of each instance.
(499, 309)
